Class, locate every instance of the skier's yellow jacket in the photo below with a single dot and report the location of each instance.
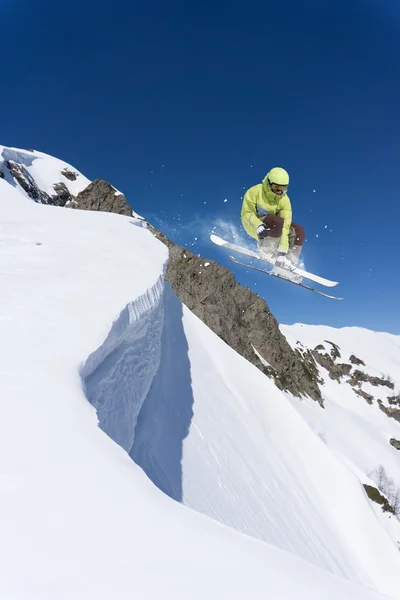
(260, 201)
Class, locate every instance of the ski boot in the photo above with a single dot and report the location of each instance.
(285, 263)
(267, 248)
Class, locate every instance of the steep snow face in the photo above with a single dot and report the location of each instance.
(119, 374)
(215, 433)
(79, 520)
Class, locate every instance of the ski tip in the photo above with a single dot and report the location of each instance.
(217, 240)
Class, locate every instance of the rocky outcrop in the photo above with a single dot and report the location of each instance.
(101, 195)
(394, 400)
(356, 361)
(395, 443)
(389, 411)
(358, 377)
(70, 175)
(375, 495)
(22, 176)
(367, 397)
(62, 196)
(336, 371)
(335, 352)
(239, 317)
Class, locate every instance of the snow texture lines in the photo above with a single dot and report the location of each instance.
(118, 375)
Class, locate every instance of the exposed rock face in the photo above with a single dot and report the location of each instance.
(389, 411)
(374, 494)
(359, 376)
(239, 317)
(336, 371)
(26, 181)
(101, 195)
(22, 176)
(71, 175)
(355, 378)
(356, 361)
(63, 195)
(319, 347)
(394, 400)
(335, 352)
(365, 395)
(395, 443)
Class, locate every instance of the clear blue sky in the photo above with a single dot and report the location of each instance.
(182, 105)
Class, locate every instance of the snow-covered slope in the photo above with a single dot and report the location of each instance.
(42, 170)
(250, 461)
(84, 315)
(356, 431)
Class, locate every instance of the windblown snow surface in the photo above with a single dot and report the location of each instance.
(102, 364)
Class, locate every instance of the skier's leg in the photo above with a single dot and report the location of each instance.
(268, 246)
(296, 241)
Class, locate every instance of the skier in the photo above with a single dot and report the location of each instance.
(267, 216)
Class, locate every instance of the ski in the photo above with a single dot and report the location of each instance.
(303, 285)
(315, 278)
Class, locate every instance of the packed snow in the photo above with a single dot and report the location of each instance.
(101, 364)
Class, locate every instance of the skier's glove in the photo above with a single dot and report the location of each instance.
(262, 231)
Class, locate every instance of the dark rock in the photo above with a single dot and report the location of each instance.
(358, 377)
(394, 400)
(319, 347)
(239, 317)
(1, 174)
(100, 195)
(63, 195)
(364, 395)
(395, 443)
(356, 361)
(26, 181)
(71, 175)
(336, 371)
(308, 358)
(389, 411)
(335, 352)
(374, 494)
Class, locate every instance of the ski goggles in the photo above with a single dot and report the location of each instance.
(279, 190)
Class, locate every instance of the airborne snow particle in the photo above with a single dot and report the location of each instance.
(226, 200)
(314, 191)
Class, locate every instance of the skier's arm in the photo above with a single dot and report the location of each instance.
(249, 218)
(286, 214)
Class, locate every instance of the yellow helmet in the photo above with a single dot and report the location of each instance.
(279, 176)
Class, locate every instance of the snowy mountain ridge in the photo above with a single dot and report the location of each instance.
(85, 315)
